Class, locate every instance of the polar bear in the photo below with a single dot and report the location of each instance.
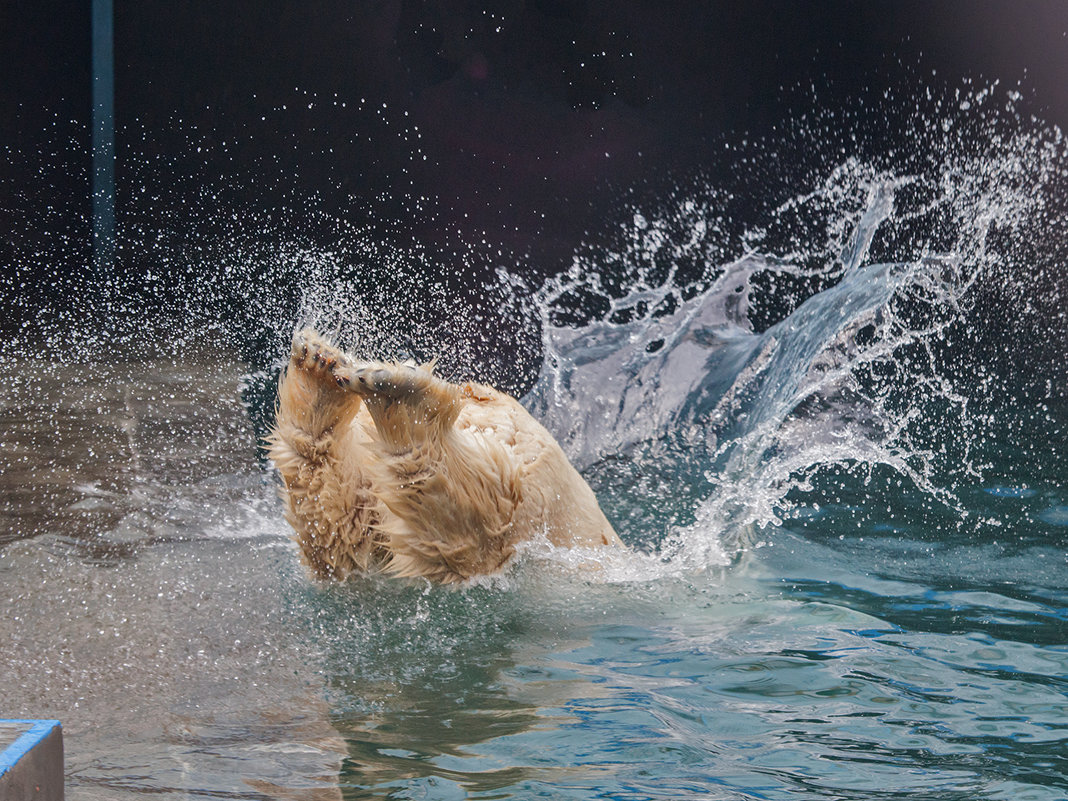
(389, 468)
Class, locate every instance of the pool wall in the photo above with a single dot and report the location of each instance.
(31, 764)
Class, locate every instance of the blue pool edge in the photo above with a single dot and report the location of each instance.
(31, 767)
(26, 742)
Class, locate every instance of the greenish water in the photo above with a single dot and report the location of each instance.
(161, 613)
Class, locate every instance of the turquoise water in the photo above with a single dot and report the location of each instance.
(867, 665)
(760, 686)
(810, 669)
(833, 436)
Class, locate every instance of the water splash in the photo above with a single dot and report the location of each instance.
(856, 368)
(709, 362)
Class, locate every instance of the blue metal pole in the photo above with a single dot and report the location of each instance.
(103, 139)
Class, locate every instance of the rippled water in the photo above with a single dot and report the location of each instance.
(166, 621)
(834, 440)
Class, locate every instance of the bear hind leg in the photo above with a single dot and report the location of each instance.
(452, 497)
(410, 406)
(328, 493)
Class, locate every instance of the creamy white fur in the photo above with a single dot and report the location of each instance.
(388, 467)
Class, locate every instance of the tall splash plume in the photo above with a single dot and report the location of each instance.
(705, 367)
(826, 346)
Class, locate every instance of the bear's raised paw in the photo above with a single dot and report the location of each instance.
(392, 381)
(388, 381)
(312, 353)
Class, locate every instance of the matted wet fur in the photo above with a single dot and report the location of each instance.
(388, 467)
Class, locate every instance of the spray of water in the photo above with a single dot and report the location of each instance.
(724, 417)
(709, 362)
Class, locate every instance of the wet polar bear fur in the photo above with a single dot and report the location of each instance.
(389, 468)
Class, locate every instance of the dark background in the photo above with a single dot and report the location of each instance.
(524, 125)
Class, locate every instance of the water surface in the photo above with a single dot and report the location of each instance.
(833, 438)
